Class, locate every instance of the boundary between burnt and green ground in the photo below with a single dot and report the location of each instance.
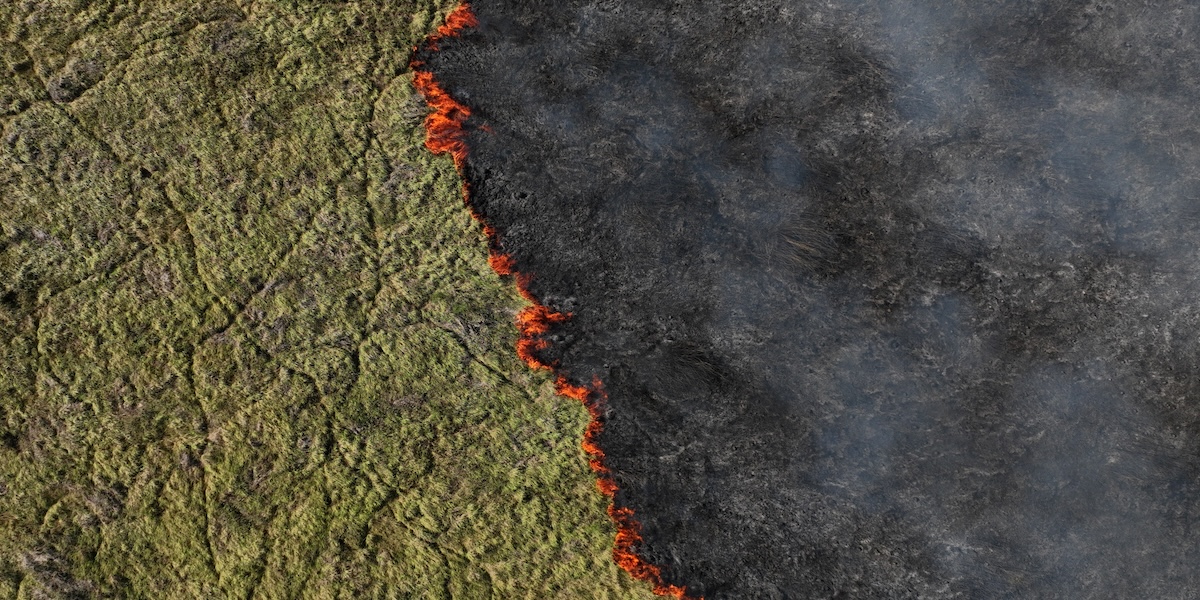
(447, 128)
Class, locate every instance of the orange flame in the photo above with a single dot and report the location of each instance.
(446, 133)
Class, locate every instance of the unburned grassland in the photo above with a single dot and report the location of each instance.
(251, 344)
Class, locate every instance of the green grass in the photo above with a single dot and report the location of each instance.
(251, 345)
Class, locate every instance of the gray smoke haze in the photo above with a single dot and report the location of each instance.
(892, 299)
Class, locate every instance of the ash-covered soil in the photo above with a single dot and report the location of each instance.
(891, 299)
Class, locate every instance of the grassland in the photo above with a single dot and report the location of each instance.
(251, 345)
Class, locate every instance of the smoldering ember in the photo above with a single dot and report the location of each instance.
(889, 299)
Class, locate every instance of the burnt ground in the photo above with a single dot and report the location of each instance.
(891, 299)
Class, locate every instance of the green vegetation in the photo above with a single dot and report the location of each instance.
(251, 345)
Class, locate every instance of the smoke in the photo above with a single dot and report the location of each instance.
(890, 299)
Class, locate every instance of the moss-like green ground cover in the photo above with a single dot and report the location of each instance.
(250, 343)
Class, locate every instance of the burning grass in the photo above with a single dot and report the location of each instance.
(447, 126)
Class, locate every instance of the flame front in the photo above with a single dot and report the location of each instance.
(446, 133)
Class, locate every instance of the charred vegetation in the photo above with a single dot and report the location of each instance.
(889, 300)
